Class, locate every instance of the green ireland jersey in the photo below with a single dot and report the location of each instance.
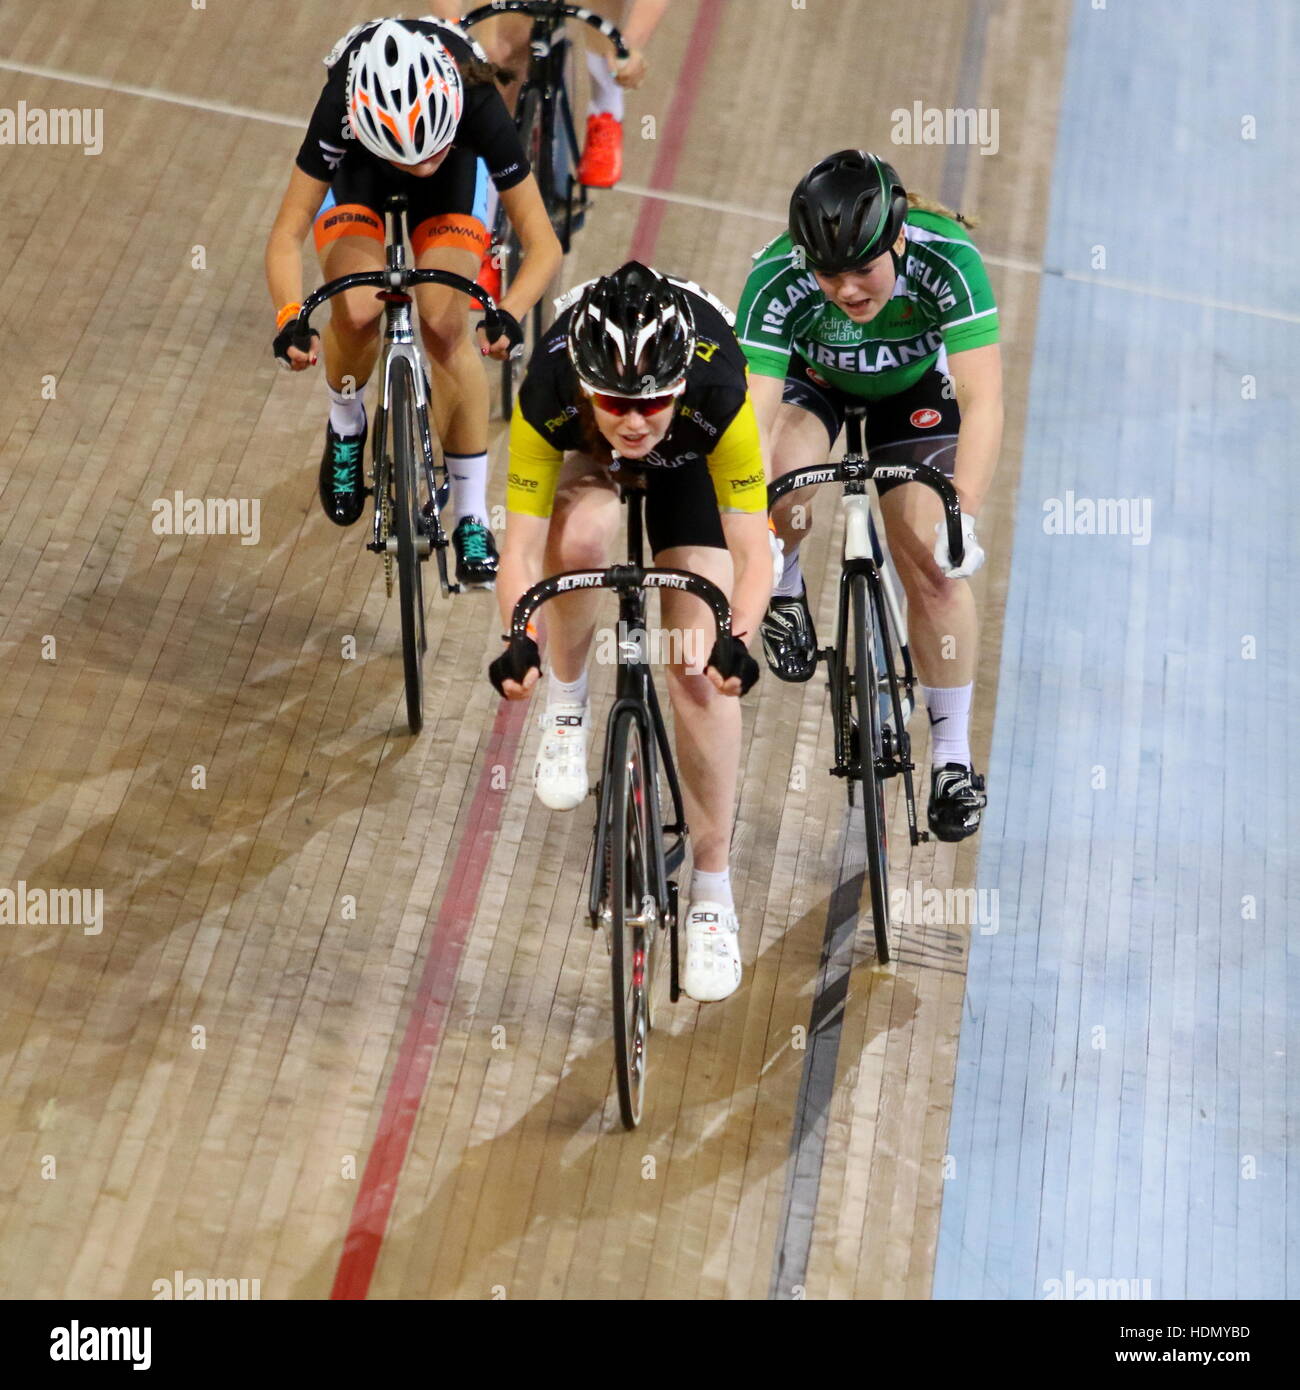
(941, 299)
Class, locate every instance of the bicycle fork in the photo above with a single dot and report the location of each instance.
(861, 542)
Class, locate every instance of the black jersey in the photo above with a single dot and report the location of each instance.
(485, 127)
(713, 420)
(715, 386)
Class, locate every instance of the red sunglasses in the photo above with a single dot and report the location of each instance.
(623, 405)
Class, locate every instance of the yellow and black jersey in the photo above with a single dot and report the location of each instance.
(713, 419)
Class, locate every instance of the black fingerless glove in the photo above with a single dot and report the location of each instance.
(496, 322)
(514, 664)
(289, 336)
(730, 657)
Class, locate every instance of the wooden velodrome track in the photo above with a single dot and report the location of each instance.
(344, 1028)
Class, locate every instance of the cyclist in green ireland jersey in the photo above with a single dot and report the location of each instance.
(872, 298)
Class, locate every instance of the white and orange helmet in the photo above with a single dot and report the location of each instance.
(404, 94)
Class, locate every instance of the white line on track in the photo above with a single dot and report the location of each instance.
(248, 113)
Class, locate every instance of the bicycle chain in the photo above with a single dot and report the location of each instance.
(386, 530)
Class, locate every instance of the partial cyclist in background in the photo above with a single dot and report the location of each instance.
(876, 296)
(505, 39)
(645, 370)
(409, 106)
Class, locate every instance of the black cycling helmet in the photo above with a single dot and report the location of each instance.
(632, 333)
(846, 210)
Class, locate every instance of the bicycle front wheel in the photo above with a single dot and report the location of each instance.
(870, 753)
(406, 526)
(634, 911)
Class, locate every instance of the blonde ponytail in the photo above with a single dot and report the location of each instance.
(924, 204)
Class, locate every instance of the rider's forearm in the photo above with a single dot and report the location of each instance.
(752, 556)
(979, 442)
(283, 268)
(642, 20)
(519, 569)
(540, 264)
(765, 395)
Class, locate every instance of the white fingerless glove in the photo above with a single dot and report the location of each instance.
(974, 553)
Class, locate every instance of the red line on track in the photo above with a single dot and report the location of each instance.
(424, 1027)
(708, 18)
(374, 1203)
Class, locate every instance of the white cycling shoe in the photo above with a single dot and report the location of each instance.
(560, 774)
(712, 952)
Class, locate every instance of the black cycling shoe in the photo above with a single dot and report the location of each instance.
(789, 638)
(956, 800)
(476, 554)
(342, 475)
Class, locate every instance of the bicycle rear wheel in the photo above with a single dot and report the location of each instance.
(634, 911)
(406, 526)
(870, 744)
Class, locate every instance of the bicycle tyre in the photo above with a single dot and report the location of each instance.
(406, 508)
(866, 697)
(632, 945)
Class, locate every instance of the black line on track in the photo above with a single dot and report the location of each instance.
(817, 1085)
(952, 182)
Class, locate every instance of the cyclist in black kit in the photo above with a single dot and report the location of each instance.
(643, 369)
(409, 106)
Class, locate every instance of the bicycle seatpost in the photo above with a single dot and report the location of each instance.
(395, 207)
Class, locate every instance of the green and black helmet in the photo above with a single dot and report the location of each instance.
(846, 210)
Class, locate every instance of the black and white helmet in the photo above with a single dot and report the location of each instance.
(632, 333)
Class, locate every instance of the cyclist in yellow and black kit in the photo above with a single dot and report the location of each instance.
(643, 369)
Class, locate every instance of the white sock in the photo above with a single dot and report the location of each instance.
(560, 692)
(711, 888)
(791, 584)
(347, 412)
(606, 94)
(949, 707)
(468, 473)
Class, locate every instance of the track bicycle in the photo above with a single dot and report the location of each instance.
(547, 130)
(869, 669)
(639, 842)
(409, 477)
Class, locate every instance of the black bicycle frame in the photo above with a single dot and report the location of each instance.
(635, 689)
(545, 75)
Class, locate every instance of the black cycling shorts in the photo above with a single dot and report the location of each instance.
(681, 507)
(449, 208)
(918, 425)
